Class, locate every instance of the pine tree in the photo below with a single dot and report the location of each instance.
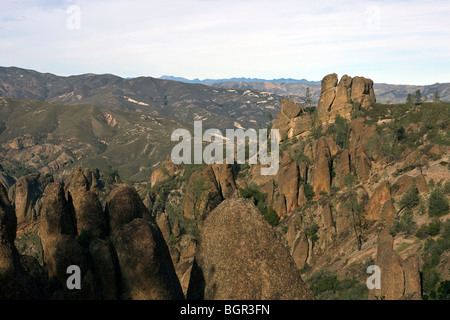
(418, 97)
(436, 97)
(308, 98)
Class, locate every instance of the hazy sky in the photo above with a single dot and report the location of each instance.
(403, 42)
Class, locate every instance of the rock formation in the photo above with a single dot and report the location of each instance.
(123, 205)
(202, 194)
(239, 257)
(292, 120)
(146, 268)
(88, 209)
(399, 278)
(25, 194)
(343, 97)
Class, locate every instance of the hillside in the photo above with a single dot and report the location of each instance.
(49, 137)
(217, 107)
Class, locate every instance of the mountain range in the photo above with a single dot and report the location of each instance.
(238, 79)
(295, 89)
(216, 107)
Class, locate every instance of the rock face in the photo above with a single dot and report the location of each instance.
(146, 268)
(341, 98)
(123, 205)
(6, 180)
(165, 171)
(239, 257)
(399, 278)
(202, 194)
(292, 120)
(56, 220)
(88, 209)
(25, 194)
(225, 179)
(106, 264)
(19, 275)
(380, 207)
(289, 185)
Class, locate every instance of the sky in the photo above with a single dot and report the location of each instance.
(396, 42)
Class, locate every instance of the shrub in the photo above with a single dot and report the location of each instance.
(316, 131)
(410, 199)
(311, 231)
(349, 180)
(341, 135)
(437, 204)
(443, 291)
(326, 286)
(309, 191)
(430, 278)
(268, 213)
(427, 230)
(271, 216)
(406, 224)
(251, 191)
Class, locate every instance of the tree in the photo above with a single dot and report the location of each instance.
(436, 97)
(418, 97)
(410, 198)
(410, 100)
(309, 191)
(342, 132)
(437, 204)
(198, 196)
(308, 98)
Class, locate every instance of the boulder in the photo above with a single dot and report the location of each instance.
(202, 194)
(381, 195)
(165, 171)
(362, 92)
(405, 182)
(300, 251)
(146, 268)
(123, 205)
(292, 120)
(106, 266)
(238, 257)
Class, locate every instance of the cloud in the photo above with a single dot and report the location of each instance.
(384, 40)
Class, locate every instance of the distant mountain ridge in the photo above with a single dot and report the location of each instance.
(236, 79)
(385, 93)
